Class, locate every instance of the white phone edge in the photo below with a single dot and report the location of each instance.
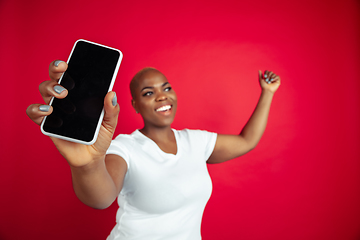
(102, 112)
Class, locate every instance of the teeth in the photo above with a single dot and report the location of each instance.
(163, 108)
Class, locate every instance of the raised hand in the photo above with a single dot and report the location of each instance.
(269, 81)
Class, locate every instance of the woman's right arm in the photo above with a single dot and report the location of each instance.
(97, 177)
(100, 182)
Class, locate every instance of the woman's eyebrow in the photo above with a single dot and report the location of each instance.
(146, 88)
(163, 85)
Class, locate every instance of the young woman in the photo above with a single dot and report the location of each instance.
(158, 174)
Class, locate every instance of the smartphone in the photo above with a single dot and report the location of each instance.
(91, 73)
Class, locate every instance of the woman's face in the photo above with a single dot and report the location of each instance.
(155, 99)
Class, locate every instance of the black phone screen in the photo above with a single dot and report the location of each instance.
(90, 74)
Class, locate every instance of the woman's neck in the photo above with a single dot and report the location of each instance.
(158, 134)
(163, 137)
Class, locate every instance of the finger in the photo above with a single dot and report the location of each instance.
(37, 112)
(56, 69)
(112, 110)
(49, 89)
(275, 79)
(109, 123)
(269, 76)
(272, 77)
(260, 75)
(266, 74)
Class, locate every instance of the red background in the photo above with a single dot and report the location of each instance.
(303, 179)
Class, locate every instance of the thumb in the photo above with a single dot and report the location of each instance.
(260, 75)
(112, 110)
(109, 123)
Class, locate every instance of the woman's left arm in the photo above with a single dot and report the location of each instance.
(232, 146)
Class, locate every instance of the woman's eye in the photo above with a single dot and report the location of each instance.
(147, 94)
(167, 89)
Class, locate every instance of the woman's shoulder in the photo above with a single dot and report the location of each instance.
(125, 139)
(123, 145)
(192, 131)
(195, 133)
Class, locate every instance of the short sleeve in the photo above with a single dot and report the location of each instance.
(202, 141)
(209, 141)
(121, 146)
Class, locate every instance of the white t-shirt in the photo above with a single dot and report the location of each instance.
(164, 195)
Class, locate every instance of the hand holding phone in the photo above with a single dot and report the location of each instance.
(90, 75)
(75, 153)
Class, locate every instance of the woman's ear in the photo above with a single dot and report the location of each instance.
(133, 103)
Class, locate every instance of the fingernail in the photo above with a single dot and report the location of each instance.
(44, 108)
(56, 63)
(58, 89)
(114, 100)
(265, 75)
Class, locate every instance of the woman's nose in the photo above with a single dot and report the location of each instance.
(161, 97)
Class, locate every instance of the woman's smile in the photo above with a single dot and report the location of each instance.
(163, 108)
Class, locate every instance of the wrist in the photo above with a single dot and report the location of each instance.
(267, 93)
(89, 167)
